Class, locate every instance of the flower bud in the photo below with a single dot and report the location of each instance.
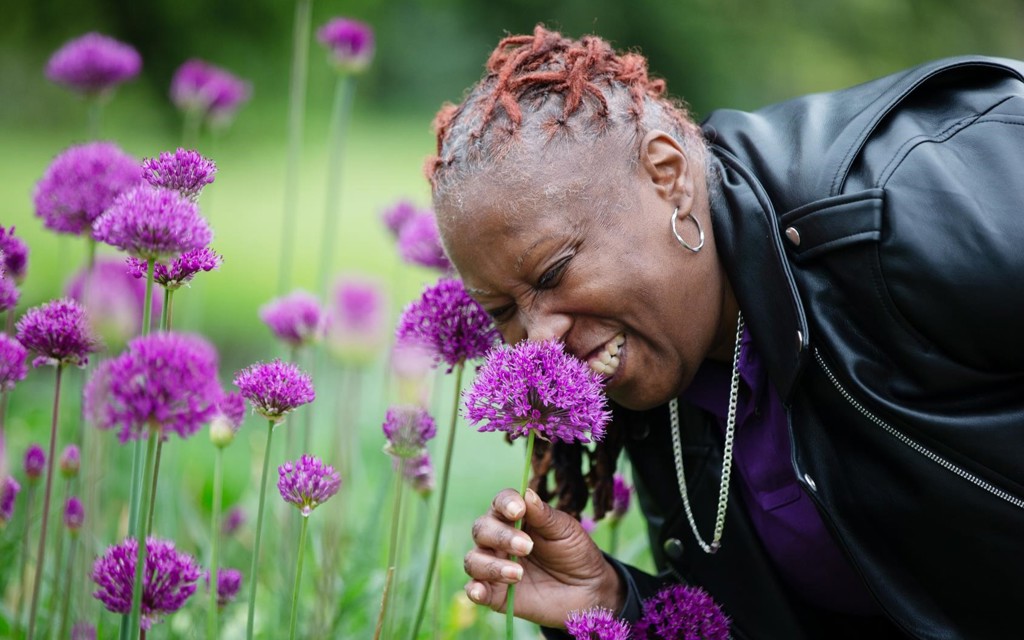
(70, 461)
(222, 433)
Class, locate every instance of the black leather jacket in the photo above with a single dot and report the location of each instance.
(874, 238)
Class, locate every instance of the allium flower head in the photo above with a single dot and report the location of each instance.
(58, 332)
(228, 419)
(233, 521)
(169, 579)
(395, 216)
(83, 631)
(12, 362)
(35, 462)
(679, 612)
(9, 294)
(229, 582)
(153, 224)
(356, 329)
(450, 322)
(307, 483)
(208, 90)
(81, 183)
(588, 525)
(621, 493)
(419, 472)
(408, 428)
(70, 461)
(537, 385)
(181, 270)
(275, 388)
(419, 243)
(296, 319)
(74, 514)
(93, 64)
(113, 300)
(9, 489)
(15, 253)
(164, 380)
(596, 624)
(350, 43)
(185, 171)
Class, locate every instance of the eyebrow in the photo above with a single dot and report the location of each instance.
(522, 257)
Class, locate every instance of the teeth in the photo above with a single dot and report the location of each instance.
(607, 362)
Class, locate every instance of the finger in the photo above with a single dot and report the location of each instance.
(541, 520)
(487, 595)
(491, 533)
(482, 565)
(508, 505)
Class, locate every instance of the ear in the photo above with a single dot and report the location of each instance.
(667, 166)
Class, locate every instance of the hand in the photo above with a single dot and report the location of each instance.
(560, 568)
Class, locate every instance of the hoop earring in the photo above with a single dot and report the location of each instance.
(700, 231)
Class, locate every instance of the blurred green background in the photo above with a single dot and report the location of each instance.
(724, 53)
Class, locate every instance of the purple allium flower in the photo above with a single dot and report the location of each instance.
(153, 224)
(307, 483)
(420, 473)
(83, 631)
(233, 521)
(450, 322)
(408, 428)
(350, 43)
(9, 294)
(621, 493)
(164, 380)
(81, 183)
(596, 624)
(208, 90)
(356, 328)
(169, 579)
(419, 243)
(70, 461)
(9, 489)
(411, 360)
(681, 612)
(295, 319)
(395, 216)
(74, 514)
(113, 300)
(229, 582)
(182, 269)
(588, 525)
(228, 419)
(185, 171)
(35, 462)
(58, 332)
(93, 63)
(15, 253)
(275, 388)
(537, 385)
(12, 362)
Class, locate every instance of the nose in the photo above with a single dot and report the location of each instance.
(539, 325)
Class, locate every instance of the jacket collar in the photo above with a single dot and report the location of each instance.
(748, 242)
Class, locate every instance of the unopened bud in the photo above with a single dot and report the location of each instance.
(222, 433)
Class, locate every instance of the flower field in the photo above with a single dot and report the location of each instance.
(236, 421)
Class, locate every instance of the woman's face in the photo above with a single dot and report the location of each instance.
(580, 250)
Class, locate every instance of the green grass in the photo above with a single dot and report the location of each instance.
(383, 160)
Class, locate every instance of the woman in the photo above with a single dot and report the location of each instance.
(808, 318)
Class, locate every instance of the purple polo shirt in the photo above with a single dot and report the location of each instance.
(784, 517)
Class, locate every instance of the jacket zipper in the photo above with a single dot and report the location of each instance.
(913, 444)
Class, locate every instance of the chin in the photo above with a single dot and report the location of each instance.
(636, 400)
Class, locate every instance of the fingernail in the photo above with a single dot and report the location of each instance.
(532, 496)
(512, 572)
(522, 546)
(513, 509)
(476, 594)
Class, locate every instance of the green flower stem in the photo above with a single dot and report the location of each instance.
(190, 128)
(383, 602)
(156, 477)
(135, 616)
(59, 545)
(296, 118)
(421, 609)
(298, 578)
(165, 316)
(396, 517)
(41, 549)
(340, 114)
(68, 586)
(218, 473)
(259, 531)
(93, 117)
(90, 244)
(509, 613)
(148, 301)
(29, 500)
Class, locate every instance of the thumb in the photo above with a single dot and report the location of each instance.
(543, 521)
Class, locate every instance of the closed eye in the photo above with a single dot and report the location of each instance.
(502, 314)
(552, 276)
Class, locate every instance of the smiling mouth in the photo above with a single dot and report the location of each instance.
(606, 360)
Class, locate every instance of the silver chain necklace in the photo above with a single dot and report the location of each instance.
(730, 432)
